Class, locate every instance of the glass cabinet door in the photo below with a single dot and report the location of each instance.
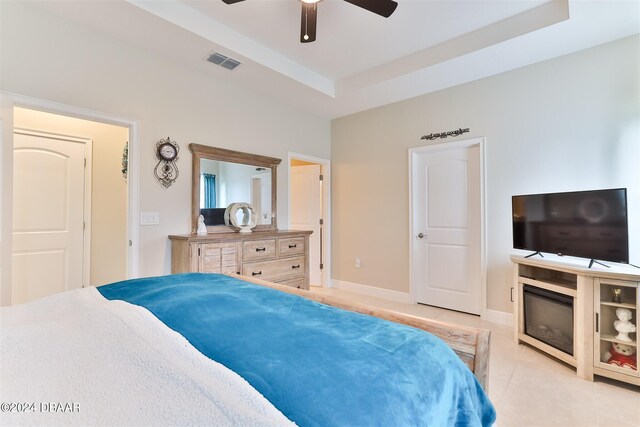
(616, 337)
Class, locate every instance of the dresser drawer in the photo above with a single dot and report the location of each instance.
(291, 246)
(254, 250)
(276, 269)
(294, 282)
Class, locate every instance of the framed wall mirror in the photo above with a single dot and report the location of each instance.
(221, 177)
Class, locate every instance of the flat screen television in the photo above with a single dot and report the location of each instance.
(586, 224)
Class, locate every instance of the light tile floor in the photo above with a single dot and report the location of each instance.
(527, 387)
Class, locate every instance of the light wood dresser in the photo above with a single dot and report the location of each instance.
(277, 256)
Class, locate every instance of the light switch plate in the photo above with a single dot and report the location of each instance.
(149, 218)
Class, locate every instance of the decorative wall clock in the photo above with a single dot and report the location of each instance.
(166, 171)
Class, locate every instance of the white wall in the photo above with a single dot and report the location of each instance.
(571, 123)
(47, 57)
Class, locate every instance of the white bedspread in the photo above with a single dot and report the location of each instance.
(111, 363)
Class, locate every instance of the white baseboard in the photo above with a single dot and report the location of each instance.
(372, 291)
(499, 317)
(493, 316)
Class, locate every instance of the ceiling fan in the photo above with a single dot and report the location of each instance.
(310, 9)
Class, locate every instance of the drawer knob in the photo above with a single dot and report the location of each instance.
(256, 273)
(295, 266)
(293, 246)
(261, 249)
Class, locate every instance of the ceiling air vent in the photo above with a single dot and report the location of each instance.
(223, 61)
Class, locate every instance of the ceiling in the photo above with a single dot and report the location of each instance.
(359, 60)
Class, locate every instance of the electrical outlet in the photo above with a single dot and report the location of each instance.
(357, 263)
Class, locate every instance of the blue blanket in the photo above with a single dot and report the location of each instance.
(319, 365)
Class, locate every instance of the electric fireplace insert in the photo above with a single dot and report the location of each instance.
(548, 317)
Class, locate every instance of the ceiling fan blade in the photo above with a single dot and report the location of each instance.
(308, 22)
(231, 1)
(381, 7)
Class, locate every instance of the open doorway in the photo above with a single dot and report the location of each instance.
(97, 218)
(309, 210)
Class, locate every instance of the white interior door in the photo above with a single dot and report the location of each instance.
(306, 212)
(261, 197)
(48, 216)
(446, 216)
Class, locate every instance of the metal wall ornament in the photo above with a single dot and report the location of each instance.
(443, 135)
(166, 171)
(125, 160)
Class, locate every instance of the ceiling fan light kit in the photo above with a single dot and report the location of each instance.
(310, 13)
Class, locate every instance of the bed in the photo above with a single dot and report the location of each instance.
(208, 349)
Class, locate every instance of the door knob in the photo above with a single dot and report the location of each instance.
(421, 236)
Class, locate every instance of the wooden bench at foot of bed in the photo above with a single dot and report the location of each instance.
(470, 344)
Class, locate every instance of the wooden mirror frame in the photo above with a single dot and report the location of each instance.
(213, 153)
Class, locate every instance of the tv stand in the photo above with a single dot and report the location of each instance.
(534, 254)
(597, 294)
(593, 261)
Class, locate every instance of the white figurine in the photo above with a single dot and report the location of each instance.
(624, 325)
(202, 228)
